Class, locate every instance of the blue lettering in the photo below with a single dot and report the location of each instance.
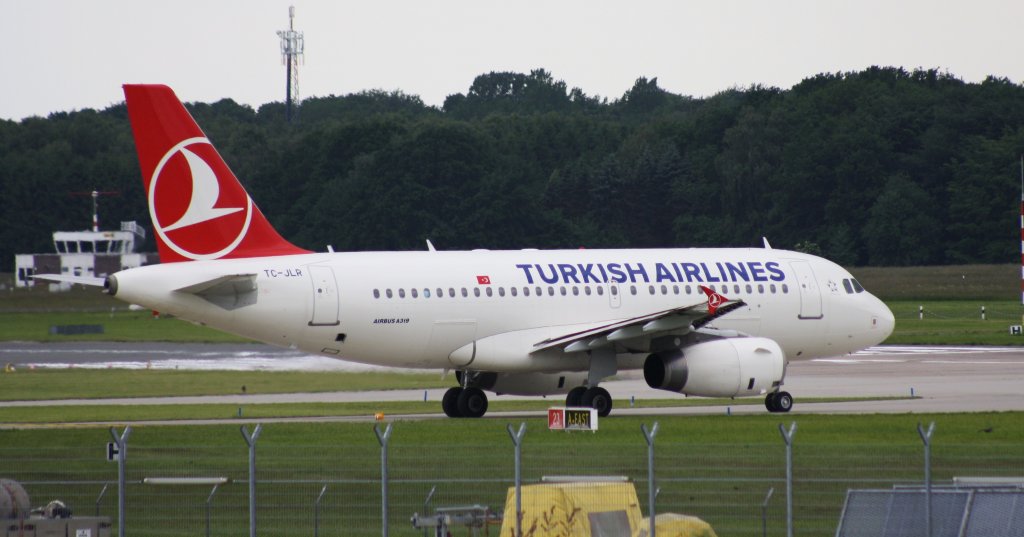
(616, 271)
(604, 275)
(634, 272)
(568, 273)
(587, 272)
(679, 275)
(554, 274)
(777, 274)
(737, 272)
(721, 272)
(692, 272)
(662, 273)
(708, 275)
(526, 270)
(757, 271)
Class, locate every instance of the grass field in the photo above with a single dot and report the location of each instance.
(716, 467)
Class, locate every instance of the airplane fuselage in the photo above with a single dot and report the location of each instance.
(418, 309)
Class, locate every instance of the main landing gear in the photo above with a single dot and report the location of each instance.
(464, 403)
(778, 402)
(595, 397)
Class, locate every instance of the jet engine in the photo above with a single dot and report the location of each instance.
(720, 368)
(527, 383)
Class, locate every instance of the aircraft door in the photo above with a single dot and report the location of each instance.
(325, 296)
(807, 285)
(614, 298)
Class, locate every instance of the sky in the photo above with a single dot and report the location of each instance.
(64, 55)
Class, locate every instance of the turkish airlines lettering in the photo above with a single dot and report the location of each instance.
(706, 322)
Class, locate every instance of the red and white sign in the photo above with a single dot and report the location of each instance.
(483, 280)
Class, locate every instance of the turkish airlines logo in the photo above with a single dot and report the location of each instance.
(198, 209)
(715, 300)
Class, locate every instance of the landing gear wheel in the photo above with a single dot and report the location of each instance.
(450, 402)
(597, 398)
(779, 402)
(575, 396)
(472, 403)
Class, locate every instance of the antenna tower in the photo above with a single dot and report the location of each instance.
(292, 46)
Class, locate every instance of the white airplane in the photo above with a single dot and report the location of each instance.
(525, 322)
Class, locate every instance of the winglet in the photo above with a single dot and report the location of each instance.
(714, 299)
(766, 245)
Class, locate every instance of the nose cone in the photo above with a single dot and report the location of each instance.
(882, 320)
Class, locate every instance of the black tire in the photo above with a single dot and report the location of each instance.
(783, 402)
(769, 402)
(598, 398)
(450, 402)
(575, 396)
(472, 403)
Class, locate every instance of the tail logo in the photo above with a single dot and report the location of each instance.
(197, 206)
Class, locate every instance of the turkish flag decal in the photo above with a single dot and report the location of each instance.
(483, 280)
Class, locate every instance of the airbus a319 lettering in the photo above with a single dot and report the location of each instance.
(712, 322)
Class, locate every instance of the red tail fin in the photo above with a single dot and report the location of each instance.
(198, 207)
(714, 299)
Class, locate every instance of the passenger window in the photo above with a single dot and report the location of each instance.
(514, 291)
(772, 288)
(464, 293)
(760, 288)
(688, 289)
(476, 291)
(440, 293)
(551, 291)
(540, 292)
(586, 290)
(600, 291)
(575, 291)
(650, 288)
(388, 293)
(401, 293)
(735, 288)
(675, 289)
(615, 290)
(664, 289)
(490, 292)
(848, 286)
(561, 289)
(451, 292)
(376, 293)
(526, 291)
(632, 289)
(785, 288)
(414, 293)
(749, 289)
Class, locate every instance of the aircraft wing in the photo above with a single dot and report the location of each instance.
(689, 317)
(82, 280)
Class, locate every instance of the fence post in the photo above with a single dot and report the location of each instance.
(926, 437)
(517, 442)
(99, 498)
(316, 512)
(426, 505)
(651, 493)
(764, 512)
(209, 504)
(383, 438)
(250, 440)
(787, 436)
(122, 456)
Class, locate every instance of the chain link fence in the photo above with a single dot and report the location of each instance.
(336, 488)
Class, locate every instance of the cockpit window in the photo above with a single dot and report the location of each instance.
(848, 286)
(857, 286)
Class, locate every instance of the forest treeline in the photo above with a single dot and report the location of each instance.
(879, 167)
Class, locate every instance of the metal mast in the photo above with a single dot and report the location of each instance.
(292, 46)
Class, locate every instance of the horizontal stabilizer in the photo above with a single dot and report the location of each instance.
(230, 284)
(91, 281)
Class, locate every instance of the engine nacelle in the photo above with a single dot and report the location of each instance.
(720, 368)
(529, 383)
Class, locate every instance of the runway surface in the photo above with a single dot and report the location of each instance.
(945, 379)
